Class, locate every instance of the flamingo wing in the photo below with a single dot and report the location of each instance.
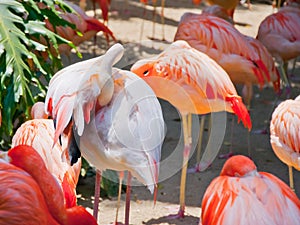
(285, 131)
(75, 90)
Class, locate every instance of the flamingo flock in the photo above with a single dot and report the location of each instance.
(113, 118)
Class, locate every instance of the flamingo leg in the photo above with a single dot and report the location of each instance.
(187, 125)
(283, 68)
(154, 19)
(196, 168)
(97, 194)
(230, 153)
(127, 205)
(291, 178)
(142, 26)
(121, 176)
(163, 19)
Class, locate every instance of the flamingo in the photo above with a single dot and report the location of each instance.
(86, 25)
(193, 83)
(229, 48)
(284, 134)
(242, 196)
(31, 195)
(280, 34)
(118, 134)
(240, 56)
(39, 133)
(121, 132)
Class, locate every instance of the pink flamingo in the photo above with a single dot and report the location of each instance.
(284, 134)
(31, 195)
(242, 196)
(193, 83)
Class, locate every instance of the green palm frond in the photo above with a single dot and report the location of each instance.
(24, 72)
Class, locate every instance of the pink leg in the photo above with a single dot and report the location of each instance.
(97, 194)
(127, 205)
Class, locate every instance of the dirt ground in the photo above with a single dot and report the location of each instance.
(126, 23)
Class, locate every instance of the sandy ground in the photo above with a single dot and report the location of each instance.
(129, 28)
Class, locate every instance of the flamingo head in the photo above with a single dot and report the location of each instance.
(144, 68)
(238, 166)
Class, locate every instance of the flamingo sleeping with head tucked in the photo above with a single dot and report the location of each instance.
(243, 196)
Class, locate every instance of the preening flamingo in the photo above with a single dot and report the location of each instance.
(31, 195)
(39, 134)
(242, 196)
(193, 83)
(285, 133)
(125, 132)
(280, 33)
(121, 137)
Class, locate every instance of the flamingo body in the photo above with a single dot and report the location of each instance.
(225, 44)
(243, 196)
(280, 33)
(285, 132)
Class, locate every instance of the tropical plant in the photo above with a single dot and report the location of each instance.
(24, 71)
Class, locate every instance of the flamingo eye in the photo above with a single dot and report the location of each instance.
(146, 73)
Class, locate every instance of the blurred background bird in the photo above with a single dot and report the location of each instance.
(230, 49)
(86, 27)
(280, 34)
(241, 195)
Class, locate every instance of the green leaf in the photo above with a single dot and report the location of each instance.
(24, 42)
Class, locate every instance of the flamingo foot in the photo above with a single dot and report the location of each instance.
(179, 215)
(260, 131)
(226, 155)
(288, 91)
(199, 167)
(195, 169)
